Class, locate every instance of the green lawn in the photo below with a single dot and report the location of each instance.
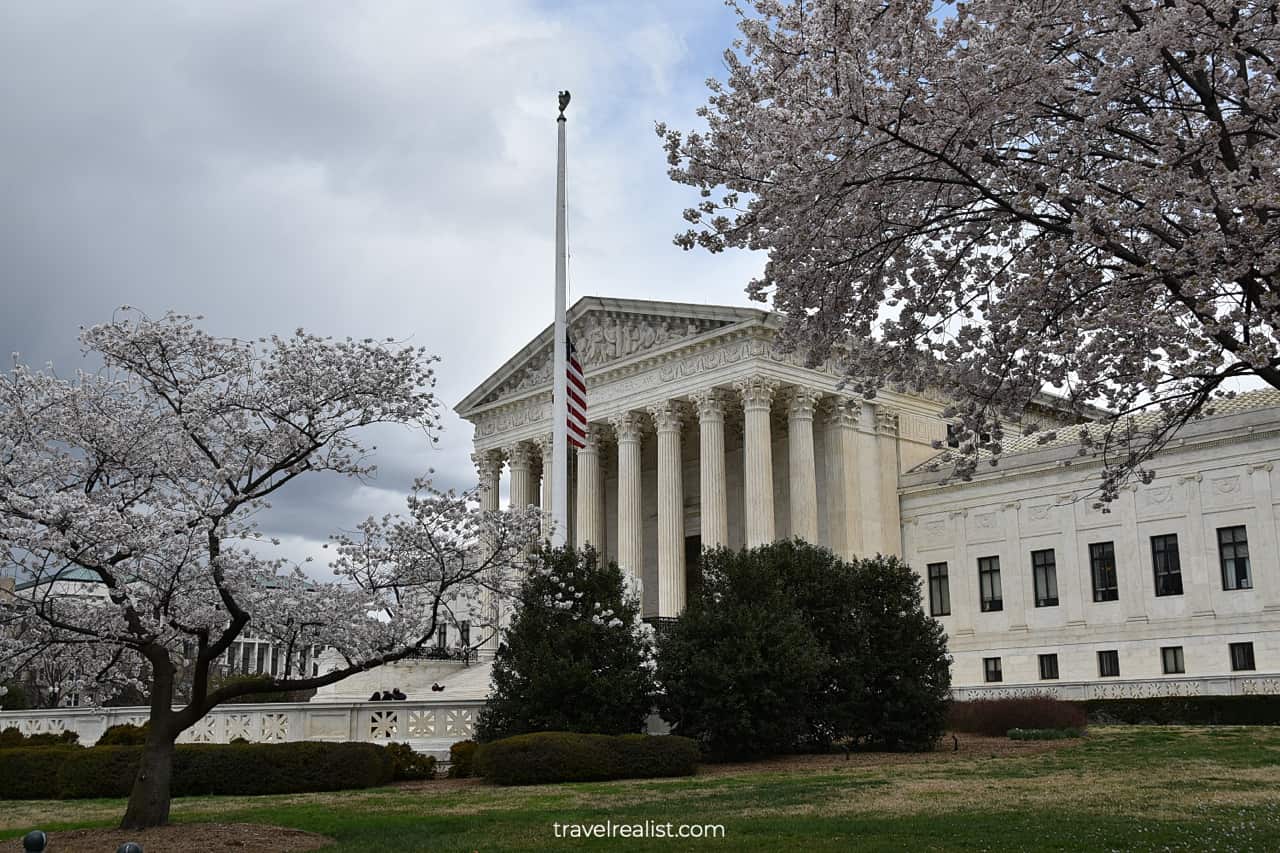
(1119, 789)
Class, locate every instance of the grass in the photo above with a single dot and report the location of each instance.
(1120, 788)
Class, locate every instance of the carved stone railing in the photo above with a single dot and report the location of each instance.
(426, 726)
(1149, 688)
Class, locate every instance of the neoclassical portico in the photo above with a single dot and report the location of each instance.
(702, 434)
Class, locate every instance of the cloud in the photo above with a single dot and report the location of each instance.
(365, 169)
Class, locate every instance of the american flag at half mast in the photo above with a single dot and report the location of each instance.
(576, 396)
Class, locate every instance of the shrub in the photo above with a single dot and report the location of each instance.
(231, 769)
(407, 763)
(740, 664)
(63, 738)
(124, 734)
(1044, 734)
(656, 756)
(576, 633)
(995, 717)
(462, 759)
(787, 647)
(32, 774)
(100, 771)
(13, 697)
(547, 757)
(1260, 710)
(890, 674)
(12, 738)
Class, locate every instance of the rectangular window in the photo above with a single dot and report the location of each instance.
(1233, 551)
(442, 636)
(1171, 660)
(1109, 664)
(1102, 561)
(991, 670)
(989, 584)
(1044, 572)
(464, 634)
(939, 590)
(1166, 564)
(1242, 657)
(1048, 667)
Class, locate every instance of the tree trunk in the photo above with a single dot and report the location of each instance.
(149, 800)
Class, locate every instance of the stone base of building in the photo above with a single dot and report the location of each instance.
(1251, 685)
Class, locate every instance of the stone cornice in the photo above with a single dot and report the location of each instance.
(1075, 463)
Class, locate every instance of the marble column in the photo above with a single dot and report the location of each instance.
(1197, 579)
(962, 579)
(711, 471)
(1072, 565)
(890, 511)
(1016, 581)
(869, 475)
(489, 468)
(520, 461)
(803, 465)
(1135, 574)
(1263, 561)
(757, 395)
(844, 510)
(629, 428)
(590, 505)
(671, 581)
(545, 445)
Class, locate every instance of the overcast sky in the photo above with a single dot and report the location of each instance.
(381, 169)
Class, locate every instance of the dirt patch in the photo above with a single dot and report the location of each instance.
(190, 838)
(962, 748)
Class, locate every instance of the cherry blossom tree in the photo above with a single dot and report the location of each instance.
(149, 474)
(1001, 197)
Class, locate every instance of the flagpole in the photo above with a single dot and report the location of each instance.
(559, 396)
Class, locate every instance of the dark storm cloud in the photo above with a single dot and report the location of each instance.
(364, 169)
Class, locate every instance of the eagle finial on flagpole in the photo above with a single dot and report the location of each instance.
(564, 101)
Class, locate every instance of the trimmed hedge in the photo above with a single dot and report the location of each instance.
(12, 738)
(124, 734)
(230, 769)
(1261, 710)
(407, 764)
(1044, 734)
(462, 759)
(546, 757)
(995, 717)
(32, 773)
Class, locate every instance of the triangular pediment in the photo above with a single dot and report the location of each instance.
(607, 333)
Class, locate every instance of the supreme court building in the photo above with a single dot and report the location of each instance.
(703, 433)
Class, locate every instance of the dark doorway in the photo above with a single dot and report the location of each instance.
(693, 565)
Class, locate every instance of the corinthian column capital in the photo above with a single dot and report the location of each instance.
(709, 404)
(488, 463)
(756, 391)
(521, 456)
(668, 416)
(801, 403)
(628, 426)
(886, 421)
(840, 412)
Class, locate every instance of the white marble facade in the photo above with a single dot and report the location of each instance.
(703, 433)
(1220, 475)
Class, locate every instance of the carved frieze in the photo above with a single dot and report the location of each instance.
(600, 340)
(703, 361)
(512, 417)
